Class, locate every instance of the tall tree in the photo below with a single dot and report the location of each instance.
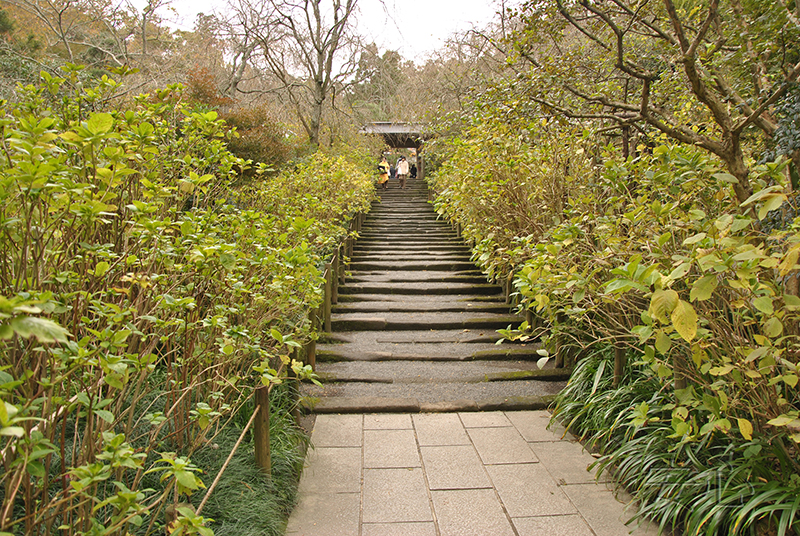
(702, 73)
(308, 47)
(378, 77)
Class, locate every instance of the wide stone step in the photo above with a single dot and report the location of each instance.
(414, 287)
(409, 234)
(412, 265)
(429, 351)
(437, 371)
(361, 397)
(410, 298)
(422, 321)
(371, 307)
(381, 246)
(421, 256)
(469, 277)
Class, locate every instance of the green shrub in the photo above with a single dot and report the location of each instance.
(652, 256)
(142, 297)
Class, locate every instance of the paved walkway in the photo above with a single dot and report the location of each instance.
(452, 474)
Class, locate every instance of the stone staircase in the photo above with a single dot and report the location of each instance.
(415, 326)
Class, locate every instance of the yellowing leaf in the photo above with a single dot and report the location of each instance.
(684, 318)
(773, 202)
(783, 420)
(663, 342)
(694, 239)
(720, 371)
(703, 288)
(789, 261)
(773, 327)
(662, 303)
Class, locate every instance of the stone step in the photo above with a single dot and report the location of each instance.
(471, 277)
(358, 397)
(428, 352)
(417, 287)
(421, 321)
(412, 257)
(369, 246)
(410, 234)
(432, 265)
(437, 371)
(371, 307)
(412, 298)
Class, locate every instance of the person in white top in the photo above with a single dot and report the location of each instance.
(402, 171)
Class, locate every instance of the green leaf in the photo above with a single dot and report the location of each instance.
(703, 288)
(41, 328)
(764, 304)
(662, 303)
(227, 261)
(100, 123)
(16, 431)
(684, 318)
(6, 332)
(36, 469)
(101, 268)
(663, 342)
(726, 177)
(105, 415)
(680, 271)
(186, 479)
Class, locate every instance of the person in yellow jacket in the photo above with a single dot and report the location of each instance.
(383, 170)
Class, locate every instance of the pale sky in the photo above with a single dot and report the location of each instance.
(413, 27)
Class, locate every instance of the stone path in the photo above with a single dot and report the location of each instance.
(415, 325)
(452, 474)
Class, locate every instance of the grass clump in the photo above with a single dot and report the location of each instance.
(245, 502)
(716, 484)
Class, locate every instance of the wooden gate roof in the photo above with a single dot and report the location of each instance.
(397, 134)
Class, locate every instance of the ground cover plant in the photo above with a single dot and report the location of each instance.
(142, 298)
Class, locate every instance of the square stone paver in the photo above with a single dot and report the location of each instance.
(395, 495)
(398, 529)
(528, 490)
(604, 513)
(440, 429)
(533, 425)
(337, 431)
(390, 448)
(567, 462)
(325, 514)
(388, 421)
(484, 420)
(332, 470)
(454, 467)
(501, 445)
(572, 525)
(473, 512)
